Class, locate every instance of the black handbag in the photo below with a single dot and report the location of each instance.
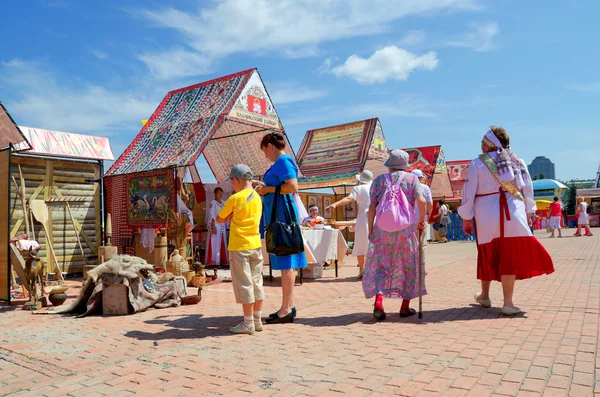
(283, 238)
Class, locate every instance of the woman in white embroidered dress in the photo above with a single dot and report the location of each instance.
(499, 197)
(360, 194)
(216, 243)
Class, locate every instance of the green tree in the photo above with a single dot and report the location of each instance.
(542, 175)
(572, 199)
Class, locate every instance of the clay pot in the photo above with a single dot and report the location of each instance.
(57, 299)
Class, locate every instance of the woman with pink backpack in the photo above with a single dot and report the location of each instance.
(391, 268)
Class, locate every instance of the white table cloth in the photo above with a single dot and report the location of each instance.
(324, 245)
(320, 246)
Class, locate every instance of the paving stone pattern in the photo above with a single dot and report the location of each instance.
(335, 347)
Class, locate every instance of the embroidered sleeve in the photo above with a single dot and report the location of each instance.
(467, 209)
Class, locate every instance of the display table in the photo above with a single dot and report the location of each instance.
(344, 224)
(320, 246)
(325, 245)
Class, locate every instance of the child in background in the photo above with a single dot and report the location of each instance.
(243, 210)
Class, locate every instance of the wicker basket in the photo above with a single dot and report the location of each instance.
(177, 264)
(189, 276)
(198, 281)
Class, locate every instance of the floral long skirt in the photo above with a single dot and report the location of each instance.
(391, 265)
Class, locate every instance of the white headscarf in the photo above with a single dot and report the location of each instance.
(510, 167)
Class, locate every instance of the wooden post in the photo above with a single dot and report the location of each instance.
(50, 259)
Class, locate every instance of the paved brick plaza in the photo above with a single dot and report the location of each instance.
(335, 347)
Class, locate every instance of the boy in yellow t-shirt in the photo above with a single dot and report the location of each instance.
(243, 209)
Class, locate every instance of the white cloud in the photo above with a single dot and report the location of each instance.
(412, 38)
(289, 93)
(293, 28)
(301, 52)
(99, 54)
(584, 87)
(388, 63)
(326, 65)
(175, 63)
(41, 101)
(480, 38)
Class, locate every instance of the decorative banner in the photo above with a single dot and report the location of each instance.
(150, 197)
(457, 171)
(66, 144)
(9, 132)
(254, 106)
(379, 149)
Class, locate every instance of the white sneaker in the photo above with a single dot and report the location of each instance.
(510, 311)
(487, 303)
(243, 328)
(258, 325)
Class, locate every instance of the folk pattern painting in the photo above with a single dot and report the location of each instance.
(150, 197)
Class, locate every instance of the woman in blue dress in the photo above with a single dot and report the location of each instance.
(284, 173)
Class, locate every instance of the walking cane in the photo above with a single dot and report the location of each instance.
(421, 236)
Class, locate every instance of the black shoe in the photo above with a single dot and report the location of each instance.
(288, 318)
(407, 313)
(273, 315)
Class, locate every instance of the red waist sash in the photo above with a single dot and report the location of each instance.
(504, 213)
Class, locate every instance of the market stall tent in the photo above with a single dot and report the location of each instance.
(225, 119)
(333, 156)
(430, 160)
(546, 189)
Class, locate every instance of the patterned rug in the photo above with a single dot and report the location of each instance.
(333, 156)
(181, 126)
(224, 118)
(115, 189)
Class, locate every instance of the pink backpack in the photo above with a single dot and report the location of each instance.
(394, 212)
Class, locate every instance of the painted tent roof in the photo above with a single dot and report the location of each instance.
(10, 134)
(430, 160)
(542, 184)
(224, 118)
(333, 156)
(66, 144)
(457, 170)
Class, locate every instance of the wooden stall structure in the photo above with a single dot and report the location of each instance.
(10, 136)
(4, 225)
(62, 173)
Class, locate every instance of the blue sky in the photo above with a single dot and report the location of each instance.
(434, 72)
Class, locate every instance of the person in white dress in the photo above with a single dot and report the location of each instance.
(360, 194)
(216, 243)
(583, 220)
(497, 201)
(426, 192)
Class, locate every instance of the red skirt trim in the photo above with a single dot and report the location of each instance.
(524, 257)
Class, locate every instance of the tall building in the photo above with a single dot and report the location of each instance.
(542, 166)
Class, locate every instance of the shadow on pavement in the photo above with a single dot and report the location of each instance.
(187, 327)
(467, 313)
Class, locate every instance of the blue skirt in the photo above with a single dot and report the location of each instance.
(296, 261)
